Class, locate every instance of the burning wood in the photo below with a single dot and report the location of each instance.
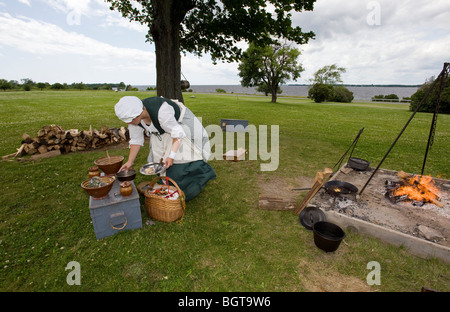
(416, 188)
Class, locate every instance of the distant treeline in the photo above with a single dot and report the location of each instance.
(28, 84)
(369, 85)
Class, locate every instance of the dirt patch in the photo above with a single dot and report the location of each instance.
(318, 277)
(282, 188)
(277, 193)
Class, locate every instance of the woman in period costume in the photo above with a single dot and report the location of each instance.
(176, 136)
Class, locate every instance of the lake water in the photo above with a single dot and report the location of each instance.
(362, 93)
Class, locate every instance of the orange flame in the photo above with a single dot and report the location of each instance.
(419, 188)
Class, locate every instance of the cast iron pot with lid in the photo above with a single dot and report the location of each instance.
(309, 216)
(358, 163)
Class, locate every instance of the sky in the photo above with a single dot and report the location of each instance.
(377, 42)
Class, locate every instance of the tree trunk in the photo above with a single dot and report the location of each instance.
(274, 93)
(274, 97)
(165, 31)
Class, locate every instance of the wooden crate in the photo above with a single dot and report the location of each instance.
(115, 213)
(233, 125)
(235, 155)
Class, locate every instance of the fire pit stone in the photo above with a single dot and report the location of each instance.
(422, 227)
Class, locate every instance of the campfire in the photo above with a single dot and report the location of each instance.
(417, 189)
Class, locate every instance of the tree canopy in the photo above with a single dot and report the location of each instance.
(325, 87)
(209, 26)
(269, 66)
(429, 104)
(329, 75)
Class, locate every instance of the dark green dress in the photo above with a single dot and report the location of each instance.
(191, 177)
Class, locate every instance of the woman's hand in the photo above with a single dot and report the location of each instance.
(127, 166)
(168, 163)
(134, 149)
(176, 142)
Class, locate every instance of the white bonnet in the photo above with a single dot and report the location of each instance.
(128, 108)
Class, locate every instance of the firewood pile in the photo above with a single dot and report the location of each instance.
(55, 140)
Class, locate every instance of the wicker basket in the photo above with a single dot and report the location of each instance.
(164, 209)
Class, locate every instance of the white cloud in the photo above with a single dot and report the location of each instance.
(95, 8)
(119, 21)
(39, 37)
(85, 57)
(201, 71)
(410, 43)
(27, 2)
(66, 6)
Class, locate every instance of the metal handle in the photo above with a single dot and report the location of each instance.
(121, 228)
(117, 215)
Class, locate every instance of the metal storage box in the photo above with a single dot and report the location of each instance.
(233, 125)
(115, 213)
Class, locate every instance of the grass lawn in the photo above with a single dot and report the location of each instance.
(225, 243)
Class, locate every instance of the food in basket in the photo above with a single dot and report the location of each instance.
(165, 192)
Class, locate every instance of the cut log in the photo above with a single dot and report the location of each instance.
(42, 149)
(319, 180)
(31, 148)
(54, 137)
(122, 133)
(403, 175)
(47, 128)
(272, 203)
(26, 138)
(20, 151)
(8, 156)
(46, 155)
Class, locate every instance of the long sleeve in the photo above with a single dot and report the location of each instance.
(136, 135)
(166, 118)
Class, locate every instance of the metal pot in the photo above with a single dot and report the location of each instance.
(309, 216)
(358, 163)
(185, 84)
(126, 175)
(327, 236)
(336, 187)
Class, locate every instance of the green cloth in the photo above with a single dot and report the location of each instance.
(191, 177)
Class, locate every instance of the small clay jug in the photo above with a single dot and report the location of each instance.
(126, 189)
(94, 172)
